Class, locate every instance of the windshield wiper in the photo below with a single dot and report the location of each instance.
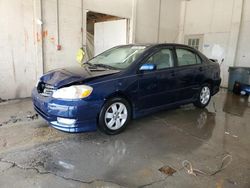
(106, 66)
(90, 64)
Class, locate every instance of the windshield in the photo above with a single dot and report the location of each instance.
(118, 57)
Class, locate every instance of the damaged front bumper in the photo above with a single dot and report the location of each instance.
(67, 115)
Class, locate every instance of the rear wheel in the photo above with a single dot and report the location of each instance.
(114, 116)
(204, 96)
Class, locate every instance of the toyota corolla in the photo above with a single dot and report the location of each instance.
(124, 83)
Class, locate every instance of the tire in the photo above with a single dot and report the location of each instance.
(204, 96)
(114, 116)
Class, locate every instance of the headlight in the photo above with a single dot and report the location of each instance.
(73, 92)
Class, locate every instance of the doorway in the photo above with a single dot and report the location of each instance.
(104, 32)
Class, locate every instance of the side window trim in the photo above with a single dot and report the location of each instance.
(200, 61)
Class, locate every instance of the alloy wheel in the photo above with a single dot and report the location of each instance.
(116, 115)
(205, 95)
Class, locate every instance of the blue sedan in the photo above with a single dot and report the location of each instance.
(123, 83)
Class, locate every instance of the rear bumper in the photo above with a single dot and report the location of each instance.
(83, 112)
(216, 86)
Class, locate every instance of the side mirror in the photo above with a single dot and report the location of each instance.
(148, 67)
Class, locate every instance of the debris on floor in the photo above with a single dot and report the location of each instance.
(2, 100)
(167, 170)
(187, 165)
(31, 116)
(15, 119)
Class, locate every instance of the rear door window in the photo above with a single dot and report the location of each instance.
(186, 57)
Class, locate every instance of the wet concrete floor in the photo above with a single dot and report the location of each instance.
(32, 154)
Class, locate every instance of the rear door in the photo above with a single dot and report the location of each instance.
(186, 73)
(157, 87)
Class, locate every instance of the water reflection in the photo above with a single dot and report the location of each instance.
(235, 105)
(114, 152)
(199, 122)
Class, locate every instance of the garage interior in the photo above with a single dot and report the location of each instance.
(159, 150)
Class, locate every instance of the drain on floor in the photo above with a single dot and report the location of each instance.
(167, 170)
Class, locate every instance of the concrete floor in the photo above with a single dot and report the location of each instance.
(32, 154)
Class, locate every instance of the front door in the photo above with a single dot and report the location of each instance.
(157, 87)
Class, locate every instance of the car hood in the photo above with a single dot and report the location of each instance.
(61, 77)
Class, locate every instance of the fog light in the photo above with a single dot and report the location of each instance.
(66, 121)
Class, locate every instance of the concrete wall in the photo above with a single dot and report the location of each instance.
(243, 50)
(157, 21)
(147, 18)
(219, 22)
(69, 27)
(169, 20)
(18, 66)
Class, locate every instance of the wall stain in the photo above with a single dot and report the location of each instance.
(52, 40)
(13, 65)
(41, 35)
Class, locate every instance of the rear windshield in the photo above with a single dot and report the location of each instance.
(119, 57)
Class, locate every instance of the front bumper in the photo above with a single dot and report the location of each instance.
(84, 112)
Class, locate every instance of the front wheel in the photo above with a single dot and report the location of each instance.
(114, 116)
(204, 96)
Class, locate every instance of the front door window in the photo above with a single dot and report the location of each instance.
(162, 59)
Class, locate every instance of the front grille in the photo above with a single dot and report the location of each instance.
(45, 89)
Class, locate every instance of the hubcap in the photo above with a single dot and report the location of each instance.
(205, 95)
(116, 115)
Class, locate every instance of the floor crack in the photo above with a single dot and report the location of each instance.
(14, 164)
(154, 182)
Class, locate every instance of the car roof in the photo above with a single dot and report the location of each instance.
(156, 44)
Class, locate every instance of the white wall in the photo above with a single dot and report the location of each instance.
(169, 20)
(243, 51)
(157, 21)
(69, 33)
(147, 16)
(219, 22)
(18, 67)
